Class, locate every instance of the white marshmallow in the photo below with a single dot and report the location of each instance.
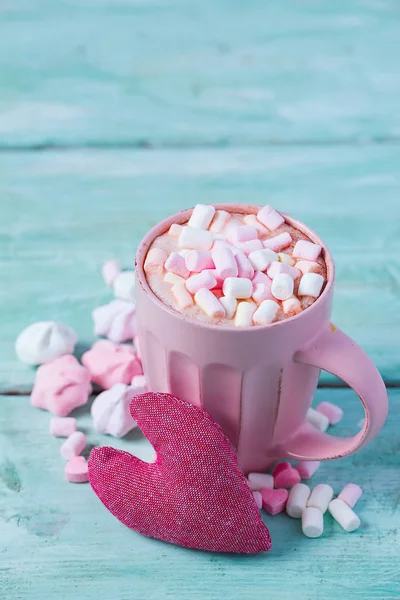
(44, 341)
(308, 266)
(317, 419)
(291, 305)
(311, 285)
(181, 295)
(124, 286)
(312, 522)
(175, 230)
(244, 314)
(229, 303)
(110, 410)
(282, 286)
(297, 500)
(195, 239)
(286, 259)
(221, 218)
(259, 481)
(209, 303)
(237, 287)
(172, 278)
(320, 497)
(201, 216)
(261, 259)
(344, 515)
(266, 313)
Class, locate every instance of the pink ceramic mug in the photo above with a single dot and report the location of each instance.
(257, 382)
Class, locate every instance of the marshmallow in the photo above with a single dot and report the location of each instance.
(259, 481)
(257, 499)
(175, 230)
(221, 218)
(73, 445)
(278, 242)
(249, 246)
(124, 286)
(61, 385)
(312, 522)
(237, 287)
(291, 306)
(260, 277)
(195, 239)
(317, 419)
(252, 221)
(311, 285)
(278, 268)
(154, 263)
(110, 270)
(175, 263)
(297, 500)
(245, 268)
(282, 286)
(350, 494)
(115, 320)
(182, 297)
(201, 216)
(76, 470)
(229, 303)
(109, 363)
(344, 515)
(172, 279)
(308, 266)
(205, 279)
(138, 384)
(287, 478)
(280, 468)
(219, 280)
(244, 314)
(110, 411)
(225, 262)
(307, 468)
(137, 347)
(209, 303)
(44, 341)
(269, 217)
(266, 313)
(184, 252)
(286, 259)
(320, 497)
(274, 501)
(243, 233)
(262, 291)
(62, 426)
(333, 412)
(198, 260)
(261, 259)
(306, 250)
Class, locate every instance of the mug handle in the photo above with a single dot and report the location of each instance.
(337, 353)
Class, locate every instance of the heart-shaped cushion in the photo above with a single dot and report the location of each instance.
(194, 494)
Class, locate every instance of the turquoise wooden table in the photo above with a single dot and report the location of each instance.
(114, 114)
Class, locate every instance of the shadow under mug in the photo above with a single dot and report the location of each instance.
(257, 382)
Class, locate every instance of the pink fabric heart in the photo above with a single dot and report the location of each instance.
(61, 385)
(194, 494)
(111, 363)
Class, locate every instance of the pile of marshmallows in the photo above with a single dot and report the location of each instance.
(271, 490)
(229, 272)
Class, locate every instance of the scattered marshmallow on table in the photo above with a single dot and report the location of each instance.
(44, 341)
(350, 494)
(124, 286)
(307, 468)
(198, 260)
(306, 250)
(110, 270)
(320, 497)
(244, 314)
(224, 261)
(220, 220)
(110, 411)
(201, 216)
(259, 481)
(311, 285)
(312, 522)
(195, 239)
(274, 501)
(73, 445)
(110, 363)
(266, 312)
(333, 412)
(115, 320)
(282, 286)
(230, 304)
(76, 470)
(269, 217)
(209, 303)
(62, 426)
(317, 419)
(344, 515)
(297, 500)
(154, 262)
(237, 287)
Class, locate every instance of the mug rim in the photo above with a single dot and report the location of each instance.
(182, 217)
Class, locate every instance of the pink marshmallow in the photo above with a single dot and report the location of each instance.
(269, 217)
(209, 303)
(307, 468)
(110, 363)
(260, 277)
(62, 426)
(306, 250)
(332, 411)
(110, 270)
(281, 467)
(198, 260)
(287, 478)
(73, 445)
(249, 246)
(205, 279)
(76, 470)
(262, 291)
(245, 268)
(258, 499)
(154, 263)
(243, 233)
(278, 268)
(224, 260)
(219, 279)
(350, 494)
(175, 263)
(278, 242)
(274, 501)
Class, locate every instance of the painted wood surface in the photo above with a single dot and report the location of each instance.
(58, 541)
(216, 72)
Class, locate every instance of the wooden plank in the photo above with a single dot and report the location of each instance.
(217, 72)
(58, 541)
(63, 214)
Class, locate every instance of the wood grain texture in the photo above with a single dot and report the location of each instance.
(63, 214)
(218, 72)
(58, 541)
